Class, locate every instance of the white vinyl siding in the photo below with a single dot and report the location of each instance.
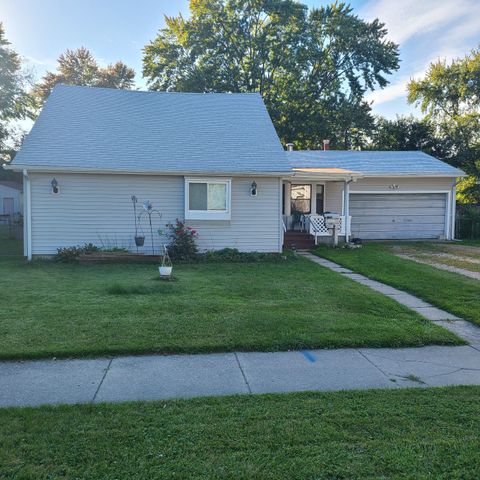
(333, 197)
(382, 184)
(97, 208)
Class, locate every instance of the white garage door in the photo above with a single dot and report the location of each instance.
(398, 215)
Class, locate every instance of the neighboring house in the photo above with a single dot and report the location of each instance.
(11, 199)
(215, 161)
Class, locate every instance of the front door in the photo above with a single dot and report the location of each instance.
(8, 206)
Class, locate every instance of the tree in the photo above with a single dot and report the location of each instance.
(79, 67)
(405, 133)
(449, 96)
(311, 67)
(15, 103)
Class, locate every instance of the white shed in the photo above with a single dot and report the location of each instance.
(11, 198)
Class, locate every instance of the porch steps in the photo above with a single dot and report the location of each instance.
(298, 240)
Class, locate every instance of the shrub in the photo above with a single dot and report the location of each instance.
(71, 254)
(89, 248)
(181, 241)
(68, 254)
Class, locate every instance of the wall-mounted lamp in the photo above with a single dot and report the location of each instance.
(253, 189)
(55, 187)
(393, 186)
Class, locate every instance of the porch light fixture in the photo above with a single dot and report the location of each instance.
(253, 189)
(55, 187)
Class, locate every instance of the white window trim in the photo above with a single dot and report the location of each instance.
(208, 214)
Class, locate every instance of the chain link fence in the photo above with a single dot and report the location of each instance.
(467, 222)
(11, 235)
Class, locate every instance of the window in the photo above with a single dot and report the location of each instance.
(300, 198)
(207, 199)
(320, 199)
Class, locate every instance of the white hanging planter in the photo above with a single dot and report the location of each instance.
(165, 268)
(165, 271)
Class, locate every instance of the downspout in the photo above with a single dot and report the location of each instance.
(27, 216)
(453, 203)
(280, 218)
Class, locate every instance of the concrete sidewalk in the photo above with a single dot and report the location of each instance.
(156, 377)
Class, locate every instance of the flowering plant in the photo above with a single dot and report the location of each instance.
(182, 241)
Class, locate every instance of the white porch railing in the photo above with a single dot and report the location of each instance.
(316, 226)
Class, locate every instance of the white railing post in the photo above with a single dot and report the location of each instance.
(346, 211)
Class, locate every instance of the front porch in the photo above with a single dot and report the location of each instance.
(315, 209)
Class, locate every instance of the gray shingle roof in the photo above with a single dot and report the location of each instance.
(374, 162)
(108, 129)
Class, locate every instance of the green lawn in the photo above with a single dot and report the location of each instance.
(453, 292)
(51, 309)
(422, 433)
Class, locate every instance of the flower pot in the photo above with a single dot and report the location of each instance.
(165, 271)
(139, 241)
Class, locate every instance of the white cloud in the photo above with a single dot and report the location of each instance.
(446, 26)
(408, 18)
(396, 90)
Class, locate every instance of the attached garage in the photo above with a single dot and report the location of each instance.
(383, 216)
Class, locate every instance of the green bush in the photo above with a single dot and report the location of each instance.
(181, 245)
(71, 254)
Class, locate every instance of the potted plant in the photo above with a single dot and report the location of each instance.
(165, 269)
(139, 239)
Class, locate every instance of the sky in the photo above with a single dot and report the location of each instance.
(426, 30)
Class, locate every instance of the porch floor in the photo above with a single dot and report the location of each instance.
(298, 240)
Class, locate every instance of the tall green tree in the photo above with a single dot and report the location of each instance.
(79, 67)
(449, 96)
(406, 133)
(311, 67)
(15, 102)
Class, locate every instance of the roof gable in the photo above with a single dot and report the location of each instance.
(123, 130)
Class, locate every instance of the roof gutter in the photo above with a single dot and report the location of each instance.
(280, 173)
(417, 175)
(51, 169)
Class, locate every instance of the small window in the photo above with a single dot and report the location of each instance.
(207, 199)
(300, 198)
(320, 199)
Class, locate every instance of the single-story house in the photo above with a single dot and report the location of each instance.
(215, 161)
(11, 199)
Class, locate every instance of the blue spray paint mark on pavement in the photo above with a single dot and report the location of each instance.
(309, 356)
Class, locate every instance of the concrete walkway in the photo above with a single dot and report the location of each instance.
(156, 377)
(466, 330)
